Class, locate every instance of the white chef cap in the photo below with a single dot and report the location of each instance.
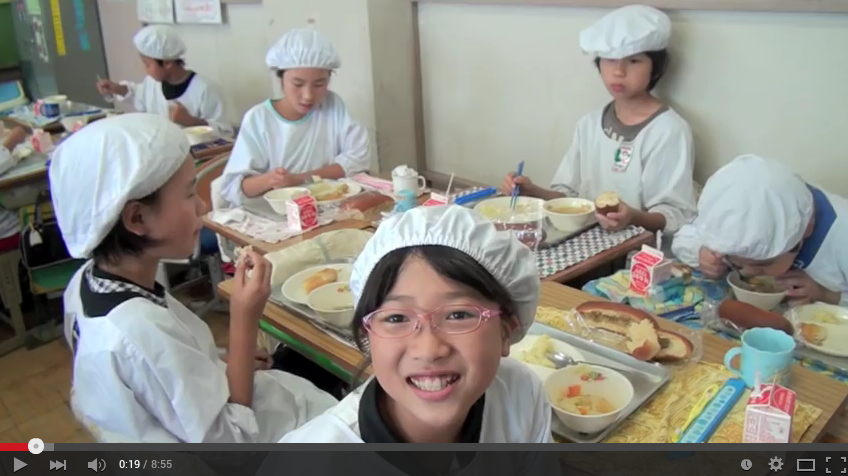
(159, 42)
(625, 32)
(753, 208)
(96, 171)
(499, 252)
(303, 48)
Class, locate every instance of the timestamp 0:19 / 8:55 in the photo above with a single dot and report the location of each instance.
(145, 463)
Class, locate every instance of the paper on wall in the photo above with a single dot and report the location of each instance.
(198, 11)
(155, 11)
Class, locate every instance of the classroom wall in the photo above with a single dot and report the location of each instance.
(504, 84)
(507, 83)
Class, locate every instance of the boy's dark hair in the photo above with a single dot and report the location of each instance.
(659, 65)
(177, 61)
(120, 242)
(448, 262)
(280, 73)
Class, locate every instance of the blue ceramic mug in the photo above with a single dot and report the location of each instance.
(766, 356)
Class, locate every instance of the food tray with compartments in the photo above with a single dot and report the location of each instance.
(647, 378)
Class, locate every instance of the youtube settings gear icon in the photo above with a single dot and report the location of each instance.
(775, 464)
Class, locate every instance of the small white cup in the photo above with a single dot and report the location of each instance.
(416, 183)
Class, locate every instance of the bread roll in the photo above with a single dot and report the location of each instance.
(607, 202)
(321, 278)
(643, 341)
(813, 333)
(365, 201)
(673, 347)
(746, 316)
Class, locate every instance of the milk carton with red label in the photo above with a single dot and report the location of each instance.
(768, 415)
(302, 212)
(648, 267)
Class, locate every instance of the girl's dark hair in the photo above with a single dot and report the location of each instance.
(120, 242)
(177, 61)
(448, 262)
(281, 72)
(659, 65)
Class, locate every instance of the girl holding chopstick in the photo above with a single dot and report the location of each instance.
(635, 146)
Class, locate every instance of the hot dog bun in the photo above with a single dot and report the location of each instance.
(639, 327)
(607, 202)
(746, 316)
(673, 347)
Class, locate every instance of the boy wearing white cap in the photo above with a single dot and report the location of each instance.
(308, 132)
(438, 352)
(169, 89)
(766, 220)
(146, 369)
(635, 146)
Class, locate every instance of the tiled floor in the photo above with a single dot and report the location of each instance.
(35, 388)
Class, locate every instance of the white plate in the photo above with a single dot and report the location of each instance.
(527, 342)
(293, 287)
(836, 343)
(352, 189)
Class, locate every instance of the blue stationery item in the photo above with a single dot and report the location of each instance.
(767, 356)
(478, 195)
(714, 413)
(515, 189)
(406, 200)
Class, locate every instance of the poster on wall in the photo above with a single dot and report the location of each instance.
(155, 11)
(198, 11)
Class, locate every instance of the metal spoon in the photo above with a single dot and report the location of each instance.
(561, 360)
(742, 279)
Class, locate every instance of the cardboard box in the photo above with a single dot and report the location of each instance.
(302, 213)
(768, 415)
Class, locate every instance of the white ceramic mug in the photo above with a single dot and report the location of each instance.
(416, 183)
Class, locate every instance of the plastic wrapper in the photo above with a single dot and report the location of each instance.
(526, 221)
(574, 323)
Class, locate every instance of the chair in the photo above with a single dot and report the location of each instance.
(209, 171)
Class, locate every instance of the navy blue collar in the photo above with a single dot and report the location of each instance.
(825, 216)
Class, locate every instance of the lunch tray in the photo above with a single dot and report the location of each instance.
(310, 316)
(647, 378)
(554, 237)
(837, 364)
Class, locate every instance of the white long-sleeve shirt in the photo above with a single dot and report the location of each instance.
(9, 222)
(201, 99)
(266, 141)
(658, 177)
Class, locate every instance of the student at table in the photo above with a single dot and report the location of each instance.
(146, 369)
(170, 89)
(439, 351)
(765, 219)
(635, 145)
(308, 132)
(10, 224)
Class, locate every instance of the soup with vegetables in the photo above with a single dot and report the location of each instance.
(570, 209)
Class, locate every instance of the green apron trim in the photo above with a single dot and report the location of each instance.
(305, 350)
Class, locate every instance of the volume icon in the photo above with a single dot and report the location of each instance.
(57, 465)
(97, 465)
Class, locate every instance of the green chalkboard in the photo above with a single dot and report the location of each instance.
(8, 45)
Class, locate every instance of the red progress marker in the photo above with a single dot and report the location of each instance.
(14, 447)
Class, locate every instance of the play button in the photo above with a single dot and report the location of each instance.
(18, 464)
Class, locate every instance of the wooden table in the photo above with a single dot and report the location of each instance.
(825, 393)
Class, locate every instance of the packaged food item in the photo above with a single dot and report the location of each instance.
(744, 316)
(42, 141)
(637, 328)
(302, 213)
(365, 201)
(674, 347)
(648, 268)
(768, 415)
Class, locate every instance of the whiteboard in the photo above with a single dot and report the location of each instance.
(198, 11)
(155, 11)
